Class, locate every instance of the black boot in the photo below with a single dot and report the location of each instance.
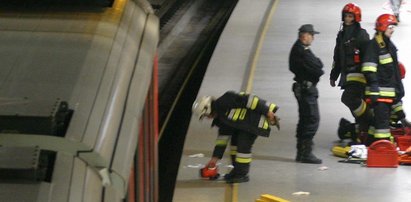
(307, 156)
(238, 174)
(346, 129)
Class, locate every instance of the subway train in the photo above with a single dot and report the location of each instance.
(78, 97)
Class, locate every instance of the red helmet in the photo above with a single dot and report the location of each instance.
(354, 9)
(384, 20)
(402, 70)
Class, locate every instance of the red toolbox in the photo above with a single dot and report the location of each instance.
(400, 131)
(403, 142)
(382, 153)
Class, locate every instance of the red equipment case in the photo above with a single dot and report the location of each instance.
(382, 153)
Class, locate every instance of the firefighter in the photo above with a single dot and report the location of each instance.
(380, 67)
(350, 44)
(307, 69)
(346, 128)
(242, 118)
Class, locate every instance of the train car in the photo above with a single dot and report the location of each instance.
(76, 93)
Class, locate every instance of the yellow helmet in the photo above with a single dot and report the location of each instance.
(202, 106)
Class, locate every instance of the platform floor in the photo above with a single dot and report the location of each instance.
(273, 170)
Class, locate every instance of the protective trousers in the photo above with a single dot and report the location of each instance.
(353, 98)
(241, 145)
(382, 115)
(309, 116)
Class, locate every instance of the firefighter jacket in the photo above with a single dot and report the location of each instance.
(244, 112)
(304, 64)
(380, 67)
(349, 50)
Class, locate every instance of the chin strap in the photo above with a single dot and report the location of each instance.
(380, 39)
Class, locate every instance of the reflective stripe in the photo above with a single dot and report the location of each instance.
(369, 67)
(382, 133)
(236, 114)
(356, 77)
(397, 107)
(361, 109)
(367, 92)
(263, 123)
(385, 59)
(388, 89)
(371, 130)
(252, 102)
(387, 92)
(384, 92)
(231, 114)
(233, 150)
(244, 155)
(222, 140)
(243, 158)
(266, 125)
(272, 107)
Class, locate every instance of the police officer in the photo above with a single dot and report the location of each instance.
(240, 117)
(307, 69)
(350, 44)
(380, 67)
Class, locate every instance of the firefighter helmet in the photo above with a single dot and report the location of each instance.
(354, 9)
(385, 20)
(202, 106)
(402, 70)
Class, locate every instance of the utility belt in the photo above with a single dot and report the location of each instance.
(305, 84)
(354, 68)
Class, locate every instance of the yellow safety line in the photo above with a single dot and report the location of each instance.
(256, 55)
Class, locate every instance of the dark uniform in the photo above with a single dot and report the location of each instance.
(349, 50)
(384, 86)
(307, 69)
(242, 118)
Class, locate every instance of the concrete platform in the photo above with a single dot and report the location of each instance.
(239, 54)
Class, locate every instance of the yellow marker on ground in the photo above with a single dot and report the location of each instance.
(231, 192)
(270, 198)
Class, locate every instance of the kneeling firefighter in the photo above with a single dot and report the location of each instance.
(242, 118)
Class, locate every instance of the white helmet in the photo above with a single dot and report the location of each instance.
(202, 106)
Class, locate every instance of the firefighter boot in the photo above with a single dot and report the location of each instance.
(346, 129)
(306, 153)
(239, 174)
